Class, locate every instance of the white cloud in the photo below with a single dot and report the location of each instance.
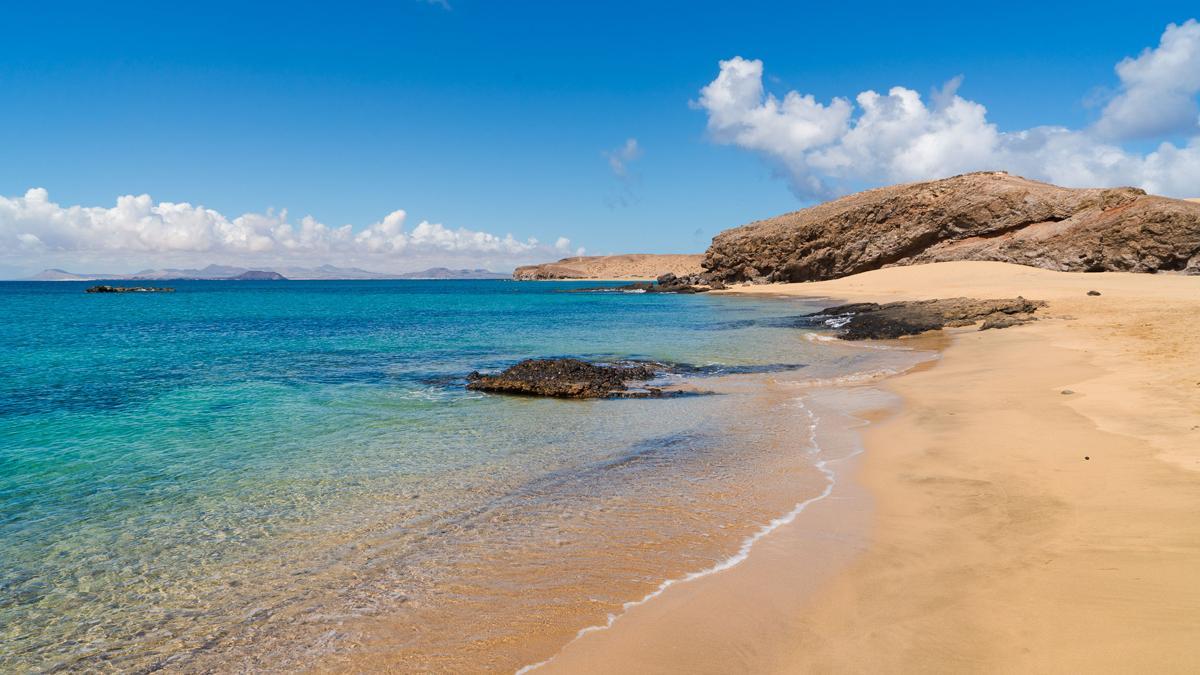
(139, 231)
(619, 159)
(829, 149)
(1158, 89)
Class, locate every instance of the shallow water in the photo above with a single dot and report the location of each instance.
(282, 474)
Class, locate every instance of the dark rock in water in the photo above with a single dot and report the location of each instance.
(869, 320)
(1093, 292)
(667, 283)
(567, 378)
(989, 216)
(129, 289)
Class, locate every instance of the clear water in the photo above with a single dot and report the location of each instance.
(258, 474)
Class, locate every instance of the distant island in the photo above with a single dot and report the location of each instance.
(230, 273)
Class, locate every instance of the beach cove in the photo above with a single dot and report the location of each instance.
(1031, 504)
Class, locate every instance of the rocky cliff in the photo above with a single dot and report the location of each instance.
(630, 266)
(979, 216)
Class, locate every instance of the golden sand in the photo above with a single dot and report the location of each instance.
(1012, 527)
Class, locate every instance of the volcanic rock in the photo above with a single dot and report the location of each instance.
(129, 289)
(869, 320)
(567, 378)
(666, 283)
(978, 216)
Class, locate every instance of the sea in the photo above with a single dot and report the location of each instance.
(284, 475)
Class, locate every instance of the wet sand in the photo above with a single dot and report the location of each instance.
(1010, 526)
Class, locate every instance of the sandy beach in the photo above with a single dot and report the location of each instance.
(1031, 504)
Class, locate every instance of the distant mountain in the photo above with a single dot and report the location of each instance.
(258, 275)
(446, 273)
(329, 272)
(209, 272)
(225, 272)
(63, 275)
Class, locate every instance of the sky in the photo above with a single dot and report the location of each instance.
(404, 134)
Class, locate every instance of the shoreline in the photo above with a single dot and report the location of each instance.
(994, 544)
(751, 547)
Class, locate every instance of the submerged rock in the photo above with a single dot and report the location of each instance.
(567, 378)
(869, 320)
(129, 289)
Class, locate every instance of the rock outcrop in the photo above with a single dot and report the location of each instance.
(630, 266)
(667, 283)
(869, 320)
(568, 378)
(129, 289)
(978, 216)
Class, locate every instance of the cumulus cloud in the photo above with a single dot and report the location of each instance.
(139, 230)
(826, 149)
(1158, 89)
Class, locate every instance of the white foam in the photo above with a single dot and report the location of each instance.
(742, 553)
(853, 378)
(857, 344)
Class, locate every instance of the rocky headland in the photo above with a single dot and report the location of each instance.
(629, 266)
(986, 216)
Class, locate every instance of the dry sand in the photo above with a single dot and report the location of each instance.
(1008, 526)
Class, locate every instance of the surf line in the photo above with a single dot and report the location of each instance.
(743, 552)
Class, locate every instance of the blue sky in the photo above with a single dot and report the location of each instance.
(496, 117)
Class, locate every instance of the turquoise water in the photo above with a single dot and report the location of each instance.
(239, 470)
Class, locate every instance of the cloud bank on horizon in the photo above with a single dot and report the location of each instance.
(828, 149)
(139, 232)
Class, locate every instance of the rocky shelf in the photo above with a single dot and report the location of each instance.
(869, 320)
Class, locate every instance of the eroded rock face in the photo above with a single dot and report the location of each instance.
(869, 320)
(567, 378)
(979, 216)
